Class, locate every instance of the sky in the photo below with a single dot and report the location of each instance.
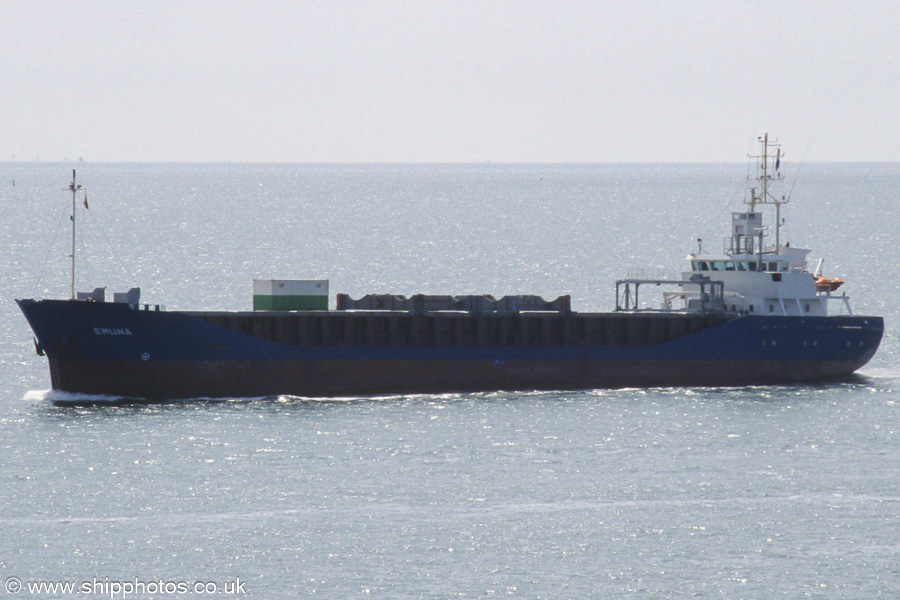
(454, 81)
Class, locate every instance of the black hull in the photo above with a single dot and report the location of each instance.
(193, 379)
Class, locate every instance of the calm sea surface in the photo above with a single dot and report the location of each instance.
(764, 492)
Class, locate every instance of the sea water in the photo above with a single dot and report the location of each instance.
(762, 492)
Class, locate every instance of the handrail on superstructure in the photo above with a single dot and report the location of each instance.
(844, 299)
(711, 302)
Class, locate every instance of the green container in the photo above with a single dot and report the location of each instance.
(283, 302)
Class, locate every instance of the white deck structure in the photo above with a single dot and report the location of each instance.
(756, 278)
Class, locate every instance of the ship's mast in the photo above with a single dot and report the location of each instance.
(769, 151)
(74, 189)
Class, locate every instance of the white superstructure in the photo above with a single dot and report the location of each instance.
(760, 278)
(756, 278)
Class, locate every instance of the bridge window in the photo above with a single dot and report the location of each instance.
(729, 265)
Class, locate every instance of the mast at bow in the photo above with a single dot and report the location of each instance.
(74, 188)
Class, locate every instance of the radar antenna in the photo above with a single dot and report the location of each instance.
(770, 151)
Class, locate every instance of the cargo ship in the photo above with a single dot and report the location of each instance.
(752, 314)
